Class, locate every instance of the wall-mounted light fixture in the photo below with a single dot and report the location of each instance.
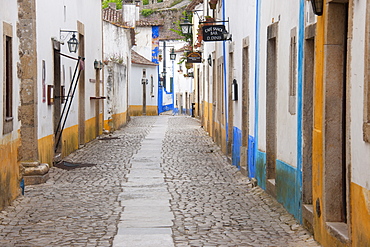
(209, 60)
(186, 26)
(172, 55)
(98, 64)
(213, 4)
(317, 6)
(72, 42)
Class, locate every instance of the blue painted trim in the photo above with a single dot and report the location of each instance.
(251, 152)
(256, 81)
(300, 112)
(167, 107)
(236, 145)
(286, 187)
(155, 53)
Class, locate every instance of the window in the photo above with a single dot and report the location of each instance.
(8, 79)
(151, 86)
(293, 71)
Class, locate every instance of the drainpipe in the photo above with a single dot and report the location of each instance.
(256, 80)
(225, 81)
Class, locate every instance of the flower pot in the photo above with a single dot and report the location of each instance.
(209, 20)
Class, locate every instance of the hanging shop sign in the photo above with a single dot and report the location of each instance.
(194, 57)
(214, 33)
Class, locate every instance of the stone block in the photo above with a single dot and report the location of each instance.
(37, 179)
(27, 92)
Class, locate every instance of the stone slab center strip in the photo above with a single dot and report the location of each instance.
(147, 218)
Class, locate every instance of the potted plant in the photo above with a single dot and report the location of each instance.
(209, 20)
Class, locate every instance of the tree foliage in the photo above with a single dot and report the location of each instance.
(186, 37)
(105, 3)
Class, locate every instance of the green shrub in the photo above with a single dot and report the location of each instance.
(176, 2)
(147, 12)
(118, 2)
(145, 2)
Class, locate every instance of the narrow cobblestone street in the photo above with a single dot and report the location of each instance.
(93, 200)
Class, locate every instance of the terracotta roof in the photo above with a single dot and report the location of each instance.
(193, 4)
(136, 58)
(148, 23)
(112, 15)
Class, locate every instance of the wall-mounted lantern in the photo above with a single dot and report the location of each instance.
(213, 4)
(234, 90)
(186, 26)
(172, 55)
(317, 6)
(98, 64)
(72, 42)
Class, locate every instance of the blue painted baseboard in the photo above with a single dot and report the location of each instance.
(261, 169)
(235, 147)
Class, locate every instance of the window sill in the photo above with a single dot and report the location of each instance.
(366, 131)
(338, 230)
(270, 187)
(8, 119)
(307, 215)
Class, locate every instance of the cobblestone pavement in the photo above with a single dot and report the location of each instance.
(212, 203)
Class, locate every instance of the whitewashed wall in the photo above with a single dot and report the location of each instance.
(116, 46)
(9, 14)
(136, 87)
(360, 151)
(143, 38)
(242, 25)
(51, 17)
(286, 14)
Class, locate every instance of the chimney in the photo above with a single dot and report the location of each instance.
(113, 5)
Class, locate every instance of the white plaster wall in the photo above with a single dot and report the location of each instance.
(136, 88)
(360, 151)
(51, 17)
(118, 52)
(286, 14)
(9, 14)
(143, 38)
(242, 25)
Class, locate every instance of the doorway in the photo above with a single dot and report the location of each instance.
(81, 94)
(245, 105)
(307, 125)
(57, 104)
(271, 101)
(230, 105)
(335, 167)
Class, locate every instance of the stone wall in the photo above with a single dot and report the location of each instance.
(168, 17)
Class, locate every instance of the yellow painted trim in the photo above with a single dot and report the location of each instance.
(70, 140)
(360, 208)
(90, 129)
(137, 110)
(116, 122)
(321, 232)
(46, 149)
(317, 142)
(9, 172)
